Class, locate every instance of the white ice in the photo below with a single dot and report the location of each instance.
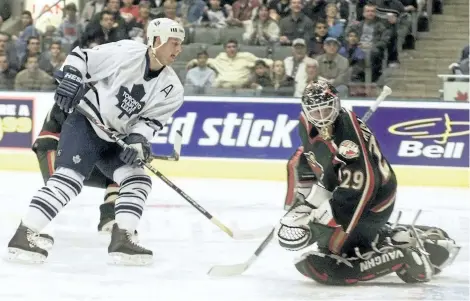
(186, 245)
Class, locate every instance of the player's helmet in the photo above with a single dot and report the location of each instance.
(320, 103)
(164, 28)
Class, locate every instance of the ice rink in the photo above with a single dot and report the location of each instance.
(186, 245)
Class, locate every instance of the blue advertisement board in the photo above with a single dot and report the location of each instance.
(16, 122)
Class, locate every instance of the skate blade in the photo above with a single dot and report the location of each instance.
(117, 258)
(44, 243)
(22, 256)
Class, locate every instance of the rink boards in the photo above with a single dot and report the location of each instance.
(251, 138)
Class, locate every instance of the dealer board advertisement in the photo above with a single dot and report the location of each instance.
(16, 122)
(422, 136)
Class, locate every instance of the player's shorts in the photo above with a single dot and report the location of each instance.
(82, 150)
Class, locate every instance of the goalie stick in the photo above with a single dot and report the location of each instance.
(234, 233)
(237, 269)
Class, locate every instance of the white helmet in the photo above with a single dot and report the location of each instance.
(164, 28)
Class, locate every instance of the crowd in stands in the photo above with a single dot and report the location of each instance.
(337, 40)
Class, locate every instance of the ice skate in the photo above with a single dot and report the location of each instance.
(124, 251)
(24, 247)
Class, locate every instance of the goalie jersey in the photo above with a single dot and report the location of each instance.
(126, 95)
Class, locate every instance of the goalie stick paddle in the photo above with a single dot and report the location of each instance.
(234, 233)
(238, 269)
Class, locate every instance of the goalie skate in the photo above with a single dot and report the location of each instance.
(23, 247)
(124, 251)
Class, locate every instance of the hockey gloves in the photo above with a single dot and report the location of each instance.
(138, 148)
(69, 92)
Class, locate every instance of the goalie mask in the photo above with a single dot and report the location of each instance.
(320, 103)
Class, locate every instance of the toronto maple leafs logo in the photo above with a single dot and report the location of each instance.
(130, 102)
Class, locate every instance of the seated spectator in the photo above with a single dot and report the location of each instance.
(33, 49)
(355, 56)
(28, 30)
(129, 11)
(295, 64)
(260, 78)
(233, 67)
(279, 9)
(461, 67)
(311, 69)
(201, 76)
(52, 60)
(215, 15)
(262, 30)
(334, 67)
(335, 25)
(5, 11)
(7, 48)
(373, 39)
(33, 78)
(70, 29)
(144, 16)
(195, 10)
(392, 13)
(296, 25)
(7, 74)
(91, 9)
(169, 11)
(106, 31)
(280, 79)
(315, 43)
(112, 7)
(242, 10)
(48, 37)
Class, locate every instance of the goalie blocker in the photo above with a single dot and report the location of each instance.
(348, 219)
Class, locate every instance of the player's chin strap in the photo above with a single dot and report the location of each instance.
(154, 53)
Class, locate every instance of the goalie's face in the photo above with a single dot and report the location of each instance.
(320, 104)
(169, 51)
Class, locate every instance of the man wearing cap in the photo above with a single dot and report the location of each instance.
(334, 67)
(296, 64)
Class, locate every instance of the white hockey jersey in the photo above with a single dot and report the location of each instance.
(128, 97)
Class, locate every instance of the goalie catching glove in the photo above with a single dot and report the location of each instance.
(138, 148)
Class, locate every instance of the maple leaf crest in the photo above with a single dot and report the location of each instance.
(461, 96)
(129, 102)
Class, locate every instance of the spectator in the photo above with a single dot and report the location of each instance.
(91, 9)
(465, 53)
(295, 26)
(33, 78)
(129, 11)
(70, 29)
(283, 84)
(279, 9)
(260, 78)
(195, 11)
(28, 31)
(334, 67)
(7, 74)
(233, 67)
(315, 43)
(169, 11)
(106, 31)
(33, 49)
(112, 7)
(262, 30)
(355, 55)
(242, 10)
(215, 15)
(335, 25)
(144, 16)
(392, 13)
(311, 70)
(373, 39)
(48, 37)
(52, 59)
(8, 48)
(5, 11)
(316, 9)
(461, 67)
(201, 76)
(295, 64)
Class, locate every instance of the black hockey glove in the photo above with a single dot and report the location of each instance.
(139, 148)
(69, 92)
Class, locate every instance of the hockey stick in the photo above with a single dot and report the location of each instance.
(175, 155)
(235, 233)
(237, 269)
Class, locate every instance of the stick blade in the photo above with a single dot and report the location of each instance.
(227, 270)
(177, 145)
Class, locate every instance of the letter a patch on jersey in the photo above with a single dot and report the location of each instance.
(129, 102)
(348, 150)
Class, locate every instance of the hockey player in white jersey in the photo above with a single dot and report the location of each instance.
(134, 94)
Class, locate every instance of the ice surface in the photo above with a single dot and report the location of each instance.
(186, 245)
